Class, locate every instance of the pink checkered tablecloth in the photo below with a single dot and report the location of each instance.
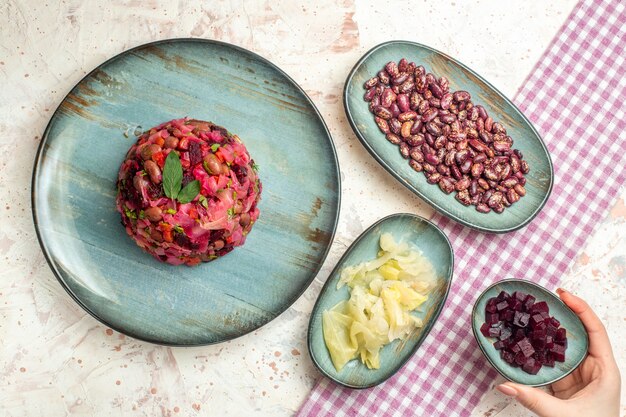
(575, 97)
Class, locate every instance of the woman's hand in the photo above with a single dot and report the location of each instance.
(592, 390)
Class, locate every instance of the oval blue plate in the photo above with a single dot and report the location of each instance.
(526, 138)
(76, 169)
(434, 245)
(577, 339)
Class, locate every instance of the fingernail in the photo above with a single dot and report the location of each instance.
(507, 390)
(560, 291)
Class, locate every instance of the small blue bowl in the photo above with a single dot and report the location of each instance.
(577, 338)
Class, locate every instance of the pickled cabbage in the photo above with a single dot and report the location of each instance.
(383, 293)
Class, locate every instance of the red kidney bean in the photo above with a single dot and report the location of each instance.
(463, 197)
(520, 190)
(382, 124)
(449, 159)
(501, 146)
(444, 83)
(402, 77)
(473, 188)
(446, 100)
(407, 86)
(512, 196)
(488, 124)
(477, 170)
(506, 171)
(483, 184)
(456, 172)
(466, 166)
(441, 153)
(414, 100)
(443, 170)
(415, 140)
(431, 159)
(403, 102)
(383, 76)
(423, 107)
(446, 185)
(420, 82)
(461, 156)
(473, 114)
(436, 90)
(393, 138)
(462, 115)
(522, 181)
(457, 136)
(417, 127)
(382, 112)
(153, 171)
(490, 174)
(429, 114)
(407, 115)
(416, 154)
(403, 65)
(524, 167)
(483, 208)
(481, 157)
(440, 142)
(447, 118)
(434, 102)
(371, 82)
(498, 128)
(433, 129)
(387, 98)
(434, 178)
(480, 125)
(395, 126)
(395, 110)
(416, 165)
(430, 140)
(405, 130)
(510, 182)
(462, 184)
(431, 169)
(405, 150)
(482, 113)
(369, 94)
(392, 69)
(461, 96)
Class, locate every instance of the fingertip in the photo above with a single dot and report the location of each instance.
(507, 389)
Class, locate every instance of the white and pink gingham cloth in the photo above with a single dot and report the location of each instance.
(575, 97)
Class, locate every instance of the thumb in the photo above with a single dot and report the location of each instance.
(537, 401)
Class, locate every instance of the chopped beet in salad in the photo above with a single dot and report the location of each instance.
(188, 192)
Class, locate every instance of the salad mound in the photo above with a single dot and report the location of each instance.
(188, 192)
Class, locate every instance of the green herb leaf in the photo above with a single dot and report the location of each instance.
(130, 213)
(215, 147)
(172, 175)
(255, 167)
(190, 192)
(179, 229)
(203, 201)
(142, 215)
(231, 211)
(234, 195)
(170, 211)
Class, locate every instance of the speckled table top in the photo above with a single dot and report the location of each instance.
(56, 360)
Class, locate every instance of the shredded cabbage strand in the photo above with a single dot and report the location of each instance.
(383, 293)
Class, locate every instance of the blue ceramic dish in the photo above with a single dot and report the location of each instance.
(527, 140)
(74, 187)
(577, 338)
(434, 245)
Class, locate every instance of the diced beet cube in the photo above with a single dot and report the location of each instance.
(526, 347)
(535, 319)
(499, 345)
(521, 319)
(539, 344)
(549, 342)
(491, 305)
(519, 295)
(484, 329)
(505, 333)
(492, 318)
(546, 317)
(494, 331)
(551, 330)
(563, 343)
(558, 352)
(541, 356)
(520, 359)
(531, 366)
(502, 305)
(519, 334)
(515, 304)
(503, 296)
(555, 322)
(549, 360)
(540, 307)
(539, 334)
(507, 315)
(529, 302)
(560, 335)
(507, 356)
(515, 348)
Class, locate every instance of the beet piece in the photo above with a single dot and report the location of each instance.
(520, 359)
(551, 330)
(563, 342)
(484, 329)
(541, 356)
(515, 304)
(555, 322)
(505, 333)
(526, 347)
(519, 295)
(507, 356)
(492, 318)
(502, 305)
(491, 305)
(549, 360)
(531, 366)
(507, 315)
(535, 319)
(561, 334)
(519, 334)
(546, 316)
(514, 348)
(539, 334)
(529, 302)
(503, 296)
(539, 344)
(521, 319)
(540, 307)
(499, 345)
(549, 342)
(494, 332)
(558, 353)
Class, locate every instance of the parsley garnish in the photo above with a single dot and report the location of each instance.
(215, 147)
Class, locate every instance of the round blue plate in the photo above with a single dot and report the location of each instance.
(74, 187)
